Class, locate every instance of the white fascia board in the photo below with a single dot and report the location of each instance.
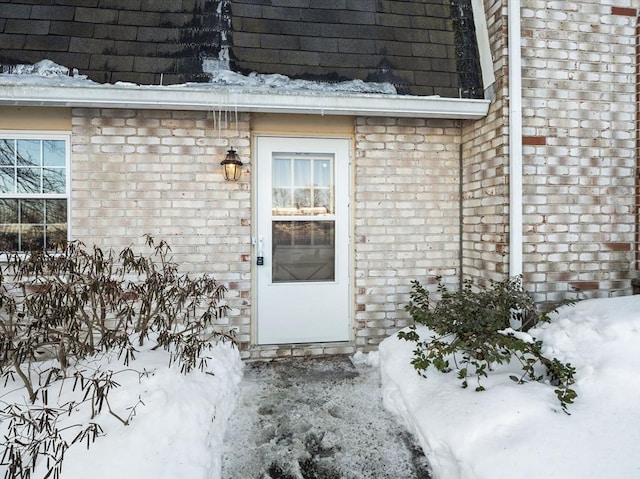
(214, 99)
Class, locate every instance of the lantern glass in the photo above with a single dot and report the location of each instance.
(231, 166)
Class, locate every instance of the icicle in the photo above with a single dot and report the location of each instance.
(226, 122)
(213, 114)
(219, 121)
(235, 111)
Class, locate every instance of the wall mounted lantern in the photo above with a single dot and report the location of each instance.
(231, 166)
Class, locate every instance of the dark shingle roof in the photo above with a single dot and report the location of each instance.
(114, 40)
(411, 43)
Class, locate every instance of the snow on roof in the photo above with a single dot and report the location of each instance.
(51, 85)
(48, 73)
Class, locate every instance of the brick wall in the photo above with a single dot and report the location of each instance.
(637, 239)
(406, 217)
(579, 152)
(485, 197)
(579, 159)
(158, 172)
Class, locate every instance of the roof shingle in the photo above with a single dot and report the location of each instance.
(411, 43)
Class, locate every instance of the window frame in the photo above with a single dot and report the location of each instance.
(43, 136)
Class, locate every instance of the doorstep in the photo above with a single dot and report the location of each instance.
(281, 351)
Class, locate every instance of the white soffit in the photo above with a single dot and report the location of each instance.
(192, 97)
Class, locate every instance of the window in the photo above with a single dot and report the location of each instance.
(34, 191)
(303, 217)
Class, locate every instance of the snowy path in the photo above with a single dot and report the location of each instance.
(316, 419)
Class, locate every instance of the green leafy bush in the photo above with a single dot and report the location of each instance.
(470, 329)
(57, 308)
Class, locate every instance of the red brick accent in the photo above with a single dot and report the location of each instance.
(585, 285)
(534, 140)
(629, 12)
(618, 246)
(565, 276)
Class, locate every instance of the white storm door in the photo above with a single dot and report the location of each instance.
(302, 240)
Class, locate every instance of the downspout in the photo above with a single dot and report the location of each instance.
(515, 140)
(461, 213)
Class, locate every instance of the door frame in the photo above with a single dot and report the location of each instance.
(349, 260)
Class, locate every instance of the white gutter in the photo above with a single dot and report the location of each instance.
(193, 97)
(515, 140)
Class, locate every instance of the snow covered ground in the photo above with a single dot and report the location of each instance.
(509, 431)
(317, 418)
(177, 421)
(515, 431)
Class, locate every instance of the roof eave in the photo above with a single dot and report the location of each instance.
(242, 100)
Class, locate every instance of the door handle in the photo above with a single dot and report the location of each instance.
(260, 258)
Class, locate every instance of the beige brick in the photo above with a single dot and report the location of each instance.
(131, 174)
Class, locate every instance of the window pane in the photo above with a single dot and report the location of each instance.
(29, 152)
(7, 180)
(32, 237)
(56, 236)
(9, 237)
(8, 211)
(29, 180)
(322, 200)
(54, 153)
(56, 211)
(32, 211)
(281, 199)
(303, 251)
(302, 173)
(302, 198)
(281, 172)
(322, 173)
(7, 152)
(53, 180)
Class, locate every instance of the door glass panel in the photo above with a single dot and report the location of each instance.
(303, 186)
(302, 173)
(303, 251)
(322, 173)
(302, 201)
(282, 201)
(281, 172)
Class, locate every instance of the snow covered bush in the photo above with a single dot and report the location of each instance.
(470, 328)
(59, 308)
